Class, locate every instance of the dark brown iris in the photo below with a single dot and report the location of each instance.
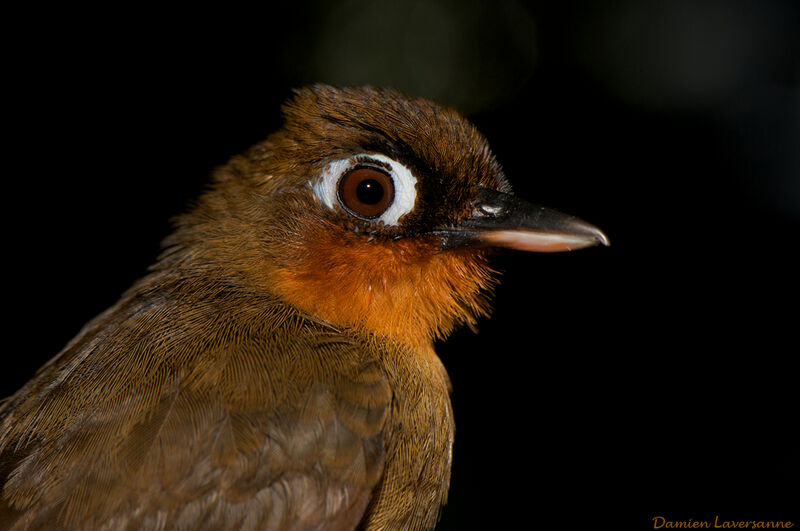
(366, 192)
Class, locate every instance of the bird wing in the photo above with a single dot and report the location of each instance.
(163, 417)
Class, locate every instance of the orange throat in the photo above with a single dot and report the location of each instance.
(407, 290)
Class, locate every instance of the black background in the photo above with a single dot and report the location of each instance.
(612, 385)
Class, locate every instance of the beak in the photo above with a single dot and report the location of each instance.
(503, 220)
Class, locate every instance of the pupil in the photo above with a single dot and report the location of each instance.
(369, 191)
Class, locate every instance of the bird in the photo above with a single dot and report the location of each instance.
(275, 368)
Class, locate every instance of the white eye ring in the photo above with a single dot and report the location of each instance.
(326, 184)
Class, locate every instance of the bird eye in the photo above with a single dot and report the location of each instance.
(366, 192)
(369, 186)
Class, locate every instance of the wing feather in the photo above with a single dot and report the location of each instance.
(179, 416)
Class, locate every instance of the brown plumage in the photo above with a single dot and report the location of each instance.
(275, 368)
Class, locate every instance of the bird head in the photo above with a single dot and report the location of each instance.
(373, 211)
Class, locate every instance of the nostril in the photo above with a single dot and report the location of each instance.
(483, 211)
